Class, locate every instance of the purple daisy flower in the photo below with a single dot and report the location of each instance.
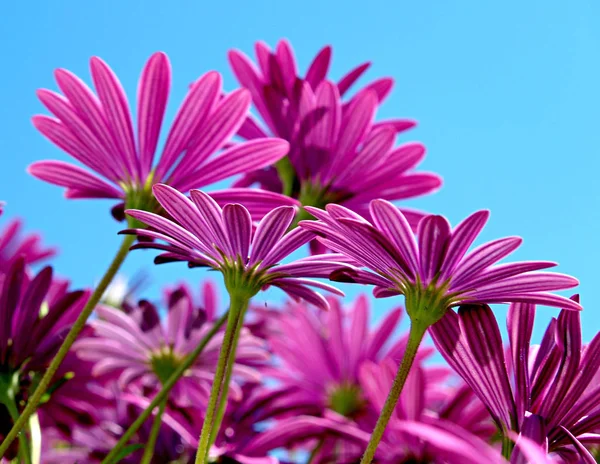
(91, 443)
(97, 130)
(321, 354)
(420, 404)
(144, 351)
(206, 235)
(549, 398)
(338, 154)
(13, 245)
(244, 438)
(35, 314)
(435, 271)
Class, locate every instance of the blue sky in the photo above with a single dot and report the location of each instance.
(506, 94)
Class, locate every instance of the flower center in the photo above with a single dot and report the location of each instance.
(346, 399)
(164, 363)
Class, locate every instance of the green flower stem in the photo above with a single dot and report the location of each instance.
(149, 450)
(417, 331)
(236, 307)
(165, 390)
(230, 363)
(77, 327)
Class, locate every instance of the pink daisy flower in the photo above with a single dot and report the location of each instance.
(223, 239)
(97, 130)
(338, 154)
(144, 351)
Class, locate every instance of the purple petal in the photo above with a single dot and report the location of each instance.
(153, 93)
(529, 282)
(75, 136)
(287, 245)
(463, 236)
(89, 110)
(68, 175)
(185, 212)
(503, 271)
(238, 224)
(191, 115)
(585, 456)
(568, 339)
(394, 225)
(520, 326)
(114, 102)
(382, 87)
(317, 71)
(354, 125)
(212, 215)
(482, 257)
(433, 234)
(269, 231)
(257, 201)
(370, 157)
(346, 82)
(453, 346)
(224, 122)
(244, 157)
(248, 77)
(531, 444)
(481, 331)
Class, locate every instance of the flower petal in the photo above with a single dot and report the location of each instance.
(153, 92)
(238, 224)
(240, 158)
(73, 177)
(269, 231)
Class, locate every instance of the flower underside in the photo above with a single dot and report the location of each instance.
(164, 363)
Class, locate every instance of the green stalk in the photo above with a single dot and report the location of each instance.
(149, 450)
(417, 331)
(165, 390)
(236, 307)
(77, 327)
(230, 363)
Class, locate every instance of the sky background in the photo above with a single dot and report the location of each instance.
(506, 95)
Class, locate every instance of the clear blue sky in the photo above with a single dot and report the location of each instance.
(506, 94)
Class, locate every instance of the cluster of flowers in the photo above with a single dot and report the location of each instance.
(190, 380)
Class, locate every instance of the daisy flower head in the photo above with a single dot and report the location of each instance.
(338, 153)
(97, 130)
(321, 354)
(36, 312)
(206, 235)
(143, 350)
(435, 270)
(547, 392)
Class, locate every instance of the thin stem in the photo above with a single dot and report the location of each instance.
(165, 390)
(235, 308)
(77, 327)
(230, 363)
(149, 450)
(417, 331)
